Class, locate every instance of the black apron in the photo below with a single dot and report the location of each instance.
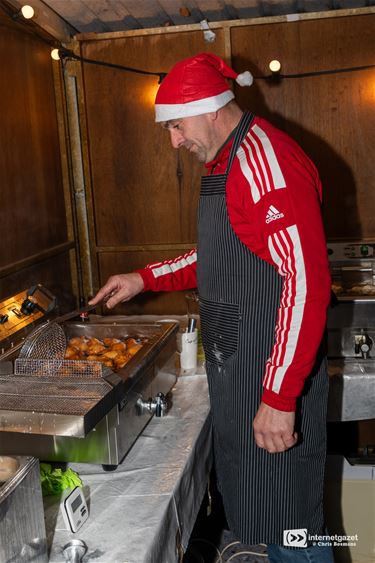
(263, 493)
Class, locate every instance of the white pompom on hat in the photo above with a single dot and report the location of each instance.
(195, 86)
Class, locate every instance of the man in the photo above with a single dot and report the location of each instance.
(264, 287)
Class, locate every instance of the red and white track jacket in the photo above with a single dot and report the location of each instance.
(273, 198)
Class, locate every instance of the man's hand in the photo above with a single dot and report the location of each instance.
(122, 287)
(274, 429)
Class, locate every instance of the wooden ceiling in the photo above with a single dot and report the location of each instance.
(98, 16)
(120, 15)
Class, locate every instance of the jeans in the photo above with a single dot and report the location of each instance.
(312, 554)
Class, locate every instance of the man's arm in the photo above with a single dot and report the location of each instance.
(170, 275)
(275, 210)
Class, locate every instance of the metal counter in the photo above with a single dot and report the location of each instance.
(145, 510)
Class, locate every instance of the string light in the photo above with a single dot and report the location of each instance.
(27, 12)
(315, 72)
(275, 65)
(65, 54)
(55, 54)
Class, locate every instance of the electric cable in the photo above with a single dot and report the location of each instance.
(229, 545)
(245, 553)
(66, 54)
(239, 552)
(277, 75)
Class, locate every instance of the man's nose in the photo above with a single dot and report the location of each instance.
(177, 139)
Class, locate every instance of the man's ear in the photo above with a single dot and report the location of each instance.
(213, 115)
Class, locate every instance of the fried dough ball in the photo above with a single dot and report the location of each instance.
(71, 352)
(92, 358)
(75, 356)
(119, 347)
(110, 341)
(79, 342)
(108, 363)
(134, 349)
(110, 354)
(76, 341)
(95, 346)
(121, 360)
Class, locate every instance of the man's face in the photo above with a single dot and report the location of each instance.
(195, 133)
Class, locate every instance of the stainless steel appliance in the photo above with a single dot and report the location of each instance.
(22, 529)
(81, 411)
(351, 331)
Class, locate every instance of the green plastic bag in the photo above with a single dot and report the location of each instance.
(55, 481)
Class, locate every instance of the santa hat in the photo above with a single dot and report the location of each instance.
(195, 86)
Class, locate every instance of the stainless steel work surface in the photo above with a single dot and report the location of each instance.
(351, 390)
(138, 511)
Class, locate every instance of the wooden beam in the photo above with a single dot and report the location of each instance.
(47, 20)
(36, 258)
(228, 23)
(175, 247)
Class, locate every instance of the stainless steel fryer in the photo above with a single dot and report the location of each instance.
(88, 414)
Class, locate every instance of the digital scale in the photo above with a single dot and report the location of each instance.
(74, 509)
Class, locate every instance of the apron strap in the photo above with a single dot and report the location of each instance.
(242, 128)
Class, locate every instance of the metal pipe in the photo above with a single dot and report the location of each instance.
(74, 551)
(79, 188)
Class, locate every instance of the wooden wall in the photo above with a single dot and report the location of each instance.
(331, 116)
(144, 194)
(34, 241)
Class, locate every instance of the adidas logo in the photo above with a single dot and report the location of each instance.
(273, 214)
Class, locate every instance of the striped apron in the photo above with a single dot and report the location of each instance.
(263, 493)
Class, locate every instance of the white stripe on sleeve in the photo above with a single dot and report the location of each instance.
(277, 175)
(248, 174)
(172, 266)
(286, 252)
(254, 144)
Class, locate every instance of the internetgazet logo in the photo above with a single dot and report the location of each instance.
(295, 538)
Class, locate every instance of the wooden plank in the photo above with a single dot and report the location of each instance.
(175, 249)
(35, 259)
(320, 5)
(78, 14)
(331, 116)
(245, 8)
(47, 19)
(80, 176)
(62, 120)
(113, 14)
(31, 195)
(148, 12)
(276, 8)
(231, 24)
(172, 8)
(213, 10)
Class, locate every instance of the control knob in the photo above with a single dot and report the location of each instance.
(28, 306)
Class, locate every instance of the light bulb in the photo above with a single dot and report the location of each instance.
(55, 55)
(27, 12)
(275, 65)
